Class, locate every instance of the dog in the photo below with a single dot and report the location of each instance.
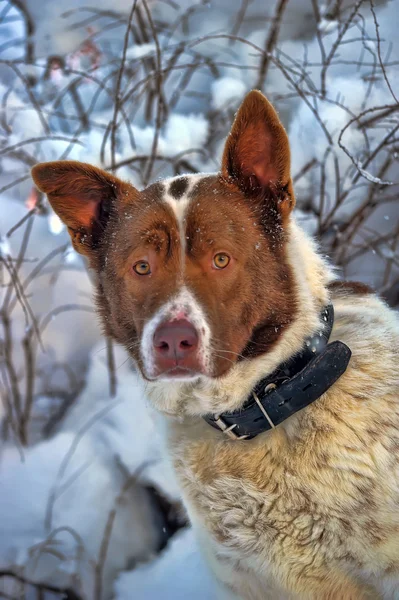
(277, 384)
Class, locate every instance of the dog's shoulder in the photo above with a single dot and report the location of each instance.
(367, 325)
(349, 288)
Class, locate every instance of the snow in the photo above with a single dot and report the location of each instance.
(227, 90)
(182, 133)
(140, 50)
(185, 132)
(5, 249)
(328, 25)
(55, 224)
(179, 573)
(76, 530)
(371, 177)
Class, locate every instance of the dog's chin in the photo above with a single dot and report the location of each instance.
(179, 374)
(184, 375)
(175, 375)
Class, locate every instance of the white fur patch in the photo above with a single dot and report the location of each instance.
(180, 206)
(183, 306)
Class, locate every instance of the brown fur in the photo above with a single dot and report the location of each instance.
(310, 509)
(350, 287)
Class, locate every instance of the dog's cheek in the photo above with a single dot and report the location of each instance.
(229, 339)
(231, 321)
(103, 308)
(115, 316)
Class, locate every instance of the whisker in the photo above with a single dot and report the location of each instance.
(124, 362)
(229, 352)
(224, 358)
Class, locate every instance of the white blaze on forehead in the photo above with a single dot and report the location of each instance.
(183, 306)
(180, 204)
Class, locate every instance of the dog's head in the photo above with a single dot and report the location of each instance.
(192, 271)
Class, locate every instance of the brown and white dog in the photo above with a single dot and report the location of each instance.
(210, 285)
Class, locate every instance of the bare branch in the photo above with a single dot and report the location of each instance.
(271, 42)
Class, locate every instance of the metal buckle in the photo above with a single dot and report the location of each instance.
(228, 429)
(270, 387)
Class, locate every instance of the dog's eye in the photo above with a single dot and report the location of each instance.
(221, 260)
(142, 268)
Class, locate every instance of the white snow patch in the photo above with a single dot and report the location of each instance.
(226, 91)
(185, 132)
(83, 498)
(179, 573)
(139, 50)
(55, 225)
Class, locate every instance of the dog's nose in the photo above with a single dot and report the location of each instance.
(175, 345)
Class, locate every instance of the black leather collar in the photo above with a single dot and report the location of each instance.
(292, 386)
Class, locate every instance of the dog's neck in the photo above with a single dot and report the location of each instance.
(311, 275)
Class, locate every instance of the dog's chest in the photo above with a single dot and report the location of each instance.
(264, 500)
(246, 498)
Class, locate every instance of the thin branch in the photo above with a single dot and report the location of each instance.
(117, 97)
(113, 381)
(271, 42)
(377, 27)
(30, 30)
(65, 593)
(335, 46)
(158, 90)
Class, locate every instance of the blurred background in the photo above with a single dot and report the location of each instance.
(148, 89)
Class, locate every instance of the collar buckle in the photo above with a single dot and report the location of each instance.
(228, 429)
(270, 386)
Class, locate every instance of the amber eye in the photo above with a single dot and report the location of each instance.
(221, 260)
(142, 268)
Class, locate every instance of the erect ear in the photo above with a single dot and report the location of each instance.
(256, 156)
(82, 196)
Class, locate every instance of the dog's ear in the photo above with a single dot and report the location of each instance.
(256, 156)
(83, 197)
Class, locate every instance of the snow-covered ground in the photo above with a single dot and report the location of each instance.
(57, 498)
(178, 573)
(77, 504)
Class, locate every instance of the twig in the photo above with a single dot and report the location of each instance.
(65, 593)
(29, 356)
(334, 47)
(148, 170)
(105, 540)
(307, 167)
(113, 382)
(361, 168)
(61, 138)
(117, 98)
(61, 309)
(240, 17)
(271, 42)
(377, 27)
(30, 30)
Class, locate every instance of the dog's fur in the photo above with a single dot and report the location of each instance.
(311, 508)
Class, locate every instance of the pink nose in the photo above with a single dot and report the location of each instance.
(175, 345)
